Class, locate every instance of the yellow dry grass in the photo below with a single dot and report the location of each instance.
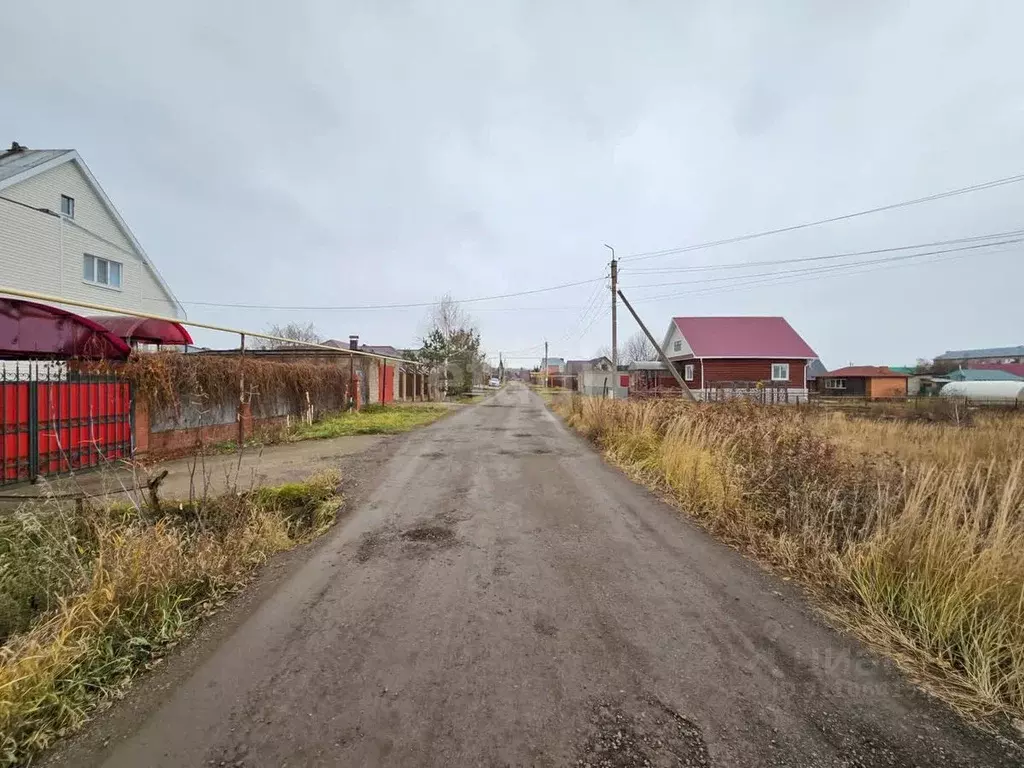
(138, 585)
(912, 533)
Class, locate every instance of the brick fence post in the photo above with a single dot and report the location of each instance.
(140, 427)
(245, 426)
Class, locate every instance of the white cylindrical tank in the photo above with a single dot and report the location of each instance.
(981, 392)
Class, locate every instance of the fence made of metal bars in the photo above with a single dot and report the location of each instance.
(54, 421)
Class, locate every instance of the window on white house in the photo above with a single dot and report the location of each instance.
(67, 206)
(780, 371)
(835, 383)
(688, 371)
(677, 346)
(101, 271)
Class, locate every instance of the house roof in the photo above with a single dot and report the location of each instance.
(381, 349)
(555, 361)
(742, 337)
(1017, 369)
(816, 368)
(20, 163)
(968, 354)
(868, 371)
(982, 374)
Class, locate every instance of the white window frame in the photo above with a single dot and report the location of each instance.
(96, 261)
(783, 366)
(688, 372)
(835, 383)
(70, 212)
(677, 345)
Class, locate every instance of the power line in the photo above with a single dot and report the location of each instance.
(748, 264)
(409, 305)
(593, 305)
(799, 279)
(814, 272)
(792, 228)
(784, 272)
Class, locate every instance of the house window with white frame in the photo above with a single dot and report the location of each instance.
(780, 371)
(677, 346)
(835, 383)
(688, 372)
(101, 271)
(67, 206)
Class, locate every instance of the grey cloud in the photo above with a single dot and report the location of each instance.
(340, 153)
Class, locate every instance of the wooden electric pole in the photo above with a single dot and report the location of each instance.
(545, 365)
(664, 358)
(615, 325)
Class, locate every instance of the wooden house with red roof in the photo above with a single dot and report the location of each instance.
(871, 381)
(760, 358)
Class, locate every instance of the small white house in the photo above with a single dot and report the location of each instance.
(61, 235)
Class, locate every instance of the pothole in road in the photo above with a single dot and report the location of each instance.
(641, 732)
(429, 533)
(418, 541)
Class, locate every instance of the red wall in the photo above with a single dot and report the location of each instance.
(727, 369)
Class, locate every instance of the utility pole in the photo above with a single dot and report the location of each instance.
(661, 353)
(615, 325)
(545, 364)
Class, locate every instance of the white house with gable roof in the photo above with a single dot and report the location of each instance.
(61, 235)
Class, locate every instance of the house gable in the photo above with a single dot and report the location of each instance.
(41, 186)
(668, 345)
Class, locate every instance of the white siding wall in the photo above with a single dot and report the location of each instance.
(35, 255)
(45, 189)
(670, 343)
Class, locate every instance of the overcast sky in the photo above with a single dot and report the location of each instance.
(325, 153)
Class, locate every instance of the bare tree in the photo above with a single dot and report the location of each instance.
(451, 345)
(604, 351)
(300, 333)
(638, 347)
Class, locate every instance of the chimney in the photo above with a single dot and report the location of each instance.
(353, 341)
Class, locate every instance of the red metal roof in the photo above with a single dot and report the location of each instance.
(144, 329)
(28, 329)
(867, 371)
(742, 337)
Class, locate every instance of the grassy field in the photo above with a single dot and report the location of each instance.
(910, 534)
(372, 420)
(89, 600)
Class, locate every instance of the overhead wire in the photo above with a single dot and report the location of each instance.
(830, 220)
(407, 305)
(831, 267)
(780, 278)
(771, 262)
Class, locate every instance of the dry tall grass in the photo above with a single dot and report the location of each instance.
(914, 533)
(99, 596)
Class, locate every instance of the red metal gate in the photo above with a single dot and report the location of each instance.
(387, 382)
(52, 427)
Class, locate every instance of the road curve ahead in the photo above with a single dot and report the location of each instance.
(502, 597)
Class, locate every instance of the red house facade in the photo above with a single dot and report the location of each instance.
(760, 358)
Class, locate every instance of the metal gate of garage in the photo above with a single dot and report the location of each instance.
(54, 421)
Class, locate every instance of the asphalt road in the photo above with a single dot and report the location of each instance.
(502, 597)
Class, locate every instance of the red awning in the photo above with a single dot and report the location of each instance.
(28, 329)
(144, 330)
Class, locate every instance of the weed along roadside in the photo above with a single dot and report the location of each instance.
(371, 420)
(90, 598)
(908, 534)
